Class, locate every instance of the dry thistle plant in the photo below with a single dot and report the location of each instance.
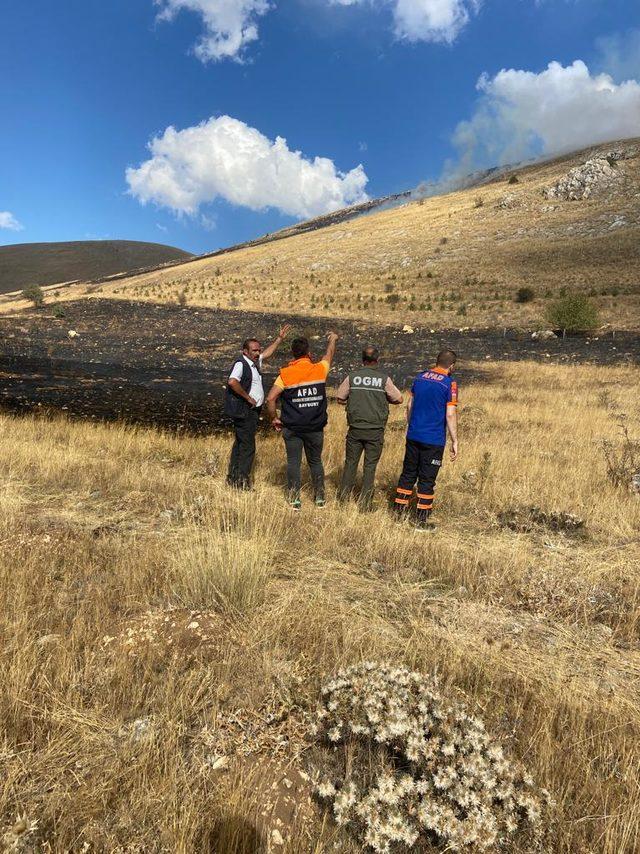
(18, 837)
(416, 768)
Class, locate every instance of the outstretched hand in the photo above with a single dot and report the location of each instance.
(285, 329)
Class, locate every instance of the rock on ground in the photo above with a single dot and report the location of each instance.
(595, 176)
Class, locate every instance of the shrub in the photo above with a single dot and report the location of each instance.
(573, 314)
(525, 295)
(478, 202)
(420, 770)
(182, 298)
(622, 460)
(513, 180)
(34, 294)
(58, 311)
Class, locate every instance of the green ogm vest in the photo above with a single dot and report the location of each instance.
(367, 405)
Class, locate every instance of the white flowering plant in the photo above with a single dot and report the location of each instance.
(413, 769)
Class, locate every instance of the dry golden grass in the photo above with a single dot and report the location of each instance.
(444, 260)
(125, 727)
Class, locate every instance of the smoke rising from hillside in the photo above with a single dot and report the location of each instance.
(521, 114)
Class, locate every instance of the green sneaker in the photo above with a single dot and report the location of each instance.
(320, 502)
(295, 504)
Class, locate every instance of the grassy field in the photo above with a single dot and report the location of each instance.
(162, 639)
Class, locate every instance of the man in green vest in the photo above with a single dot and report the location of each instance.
(367, 393)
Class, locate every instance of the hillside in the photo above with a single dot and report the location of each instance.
(450, 260)
(23, 264)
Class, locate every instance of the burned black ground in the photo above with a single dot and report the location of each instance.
(166, 365)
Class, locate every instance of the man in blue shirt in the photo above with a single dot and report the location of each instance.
(431, 413)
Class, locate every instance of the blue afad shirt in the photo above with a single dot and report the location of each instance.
(432, 392)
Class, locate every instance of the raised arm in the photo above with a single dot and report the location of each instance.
(331, 348)
(272, 399)
(268, 352)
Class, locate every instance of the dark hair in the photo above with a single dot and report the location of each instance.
(247, 341)
(299, 348)
(446, 358)
(370, 354)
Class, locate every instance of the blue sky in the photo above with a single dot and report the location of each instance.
(85, 86)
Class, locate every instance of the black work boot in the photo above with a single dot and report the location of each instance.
(423, 522)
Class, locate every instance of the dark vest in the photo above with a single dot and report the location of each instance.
(367, 404)
(304, 399)
(234, 405)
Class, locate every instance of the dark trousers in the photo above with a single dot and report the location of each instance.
(422, 464)
(359, 441)
(243, 451)
(312, 444)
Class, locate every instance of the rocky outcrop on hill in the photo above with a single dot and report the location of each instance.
(597, 175)
(584, 181)
(508, 202)
(616, 154)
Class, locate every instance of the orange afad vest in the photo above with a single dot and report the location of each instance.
(304, 396)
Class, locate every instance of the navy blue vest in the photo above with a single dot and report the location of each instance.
(234, 405)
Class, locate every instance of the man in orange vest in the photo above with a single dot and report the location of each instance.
(302, 385)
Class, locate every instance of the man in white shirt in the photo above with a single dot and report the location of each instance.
(243, 401)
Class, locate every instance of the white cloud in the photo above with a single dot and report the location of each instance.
(225, 158)
(229, 25)
(430, 20)
(560, 109)
(8, 220)
(424, 20)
